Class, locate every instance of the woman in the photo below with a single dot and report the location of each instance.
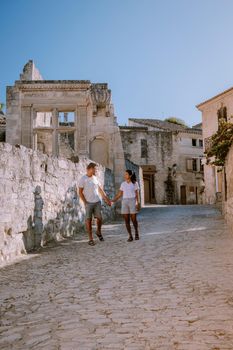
(129, 190)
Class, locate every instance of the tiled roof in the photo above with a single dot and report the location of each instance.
(131, 127)
(214, 97)
(160, 124)
(164, 125)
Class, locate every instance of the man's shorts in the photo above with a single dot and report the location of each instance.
(128, 206)
(93, 209)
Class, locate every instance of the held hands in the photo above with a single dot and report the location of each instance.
(110, 202)
(107, 200)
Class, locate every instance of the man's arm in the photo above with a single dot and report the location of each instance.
(81, 195)
(103, 195)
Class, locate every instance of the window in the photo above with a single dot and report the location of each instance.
(43, 120)
(222, 114)
(194, 164)
(66, 139)
(191, 164)
(66, 119)
(144, 153)
(200, 143)
(191, 189)
(194, 142)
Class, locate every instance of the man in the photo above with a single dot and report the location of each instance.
(90, 192)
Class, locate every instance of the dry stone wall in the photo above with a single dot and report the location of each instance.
(39, 201)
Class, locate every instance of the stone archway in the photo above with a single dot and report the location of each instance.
(99, 151)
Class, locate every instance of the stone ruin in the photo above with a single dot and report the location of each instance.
(65, 118)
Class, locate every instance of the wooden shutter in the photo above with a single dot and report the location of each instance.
(189, 164)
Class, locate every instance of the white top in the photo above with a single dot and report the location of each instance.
(90, 185)
(129, 189)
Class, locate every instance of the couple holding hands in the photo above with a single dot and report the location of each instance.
(91, 193)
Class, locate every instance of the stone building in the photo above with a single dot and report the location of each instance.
(218, 180)
(170, 157)
(67, 118)
(213, 109)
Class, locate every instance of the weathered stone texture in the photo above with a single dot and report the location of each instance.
(34, 108)
(164, 156)
(211, 112)
(228, 186)
(39, 201)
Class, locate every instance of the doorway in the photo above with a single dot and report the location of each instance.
(147, 198)
(183, 195)
(149, 183)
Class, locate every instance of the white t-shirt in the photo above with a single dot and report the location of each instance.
(90, 186)
(129, 189)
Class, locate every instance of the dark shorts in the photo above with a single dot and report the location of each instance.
(93, 209)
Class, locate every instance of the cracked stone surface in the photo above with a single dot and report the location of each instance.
(173, 289)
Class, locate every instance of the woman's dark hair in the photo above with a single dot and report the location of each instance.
(132, 175)
(91, 166)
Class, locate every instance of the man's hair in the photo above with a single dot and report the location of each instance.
(91, 166)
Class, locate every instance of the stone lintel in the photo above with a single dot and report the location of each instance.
(39, 82)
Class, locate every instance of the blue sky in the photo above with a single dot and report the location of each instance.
(160, 58)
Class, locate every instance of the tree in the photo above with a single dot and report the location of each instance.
(175, 120)
(221, 143)
(1, 107)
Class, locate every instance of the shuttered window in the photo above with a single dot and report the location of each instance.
(189, 164)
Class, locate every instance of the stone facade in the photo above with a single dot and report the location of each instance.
(220, 106)
(39, 201)
(169, 158)
(67, 118)
(228, 189)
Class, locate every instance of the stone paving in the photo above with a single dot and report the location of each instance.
(173, 289)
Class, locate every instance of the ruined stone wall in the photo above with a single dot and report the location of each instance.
(39, 198)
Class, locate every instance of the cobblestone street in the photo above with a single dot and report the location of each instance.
(173, 289)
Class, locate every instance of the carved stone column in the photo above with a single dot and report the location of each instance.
(26, 122)
(55, 133)
(82, 130)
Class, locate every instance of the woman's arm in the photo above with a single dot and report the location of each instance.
(118, 196)
(137, 200)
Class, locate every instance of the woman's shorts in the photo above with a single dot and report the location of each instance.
(128, 206)
(93, 209)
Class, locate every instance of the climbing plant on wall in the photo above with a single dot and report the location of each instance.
(221, 142)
